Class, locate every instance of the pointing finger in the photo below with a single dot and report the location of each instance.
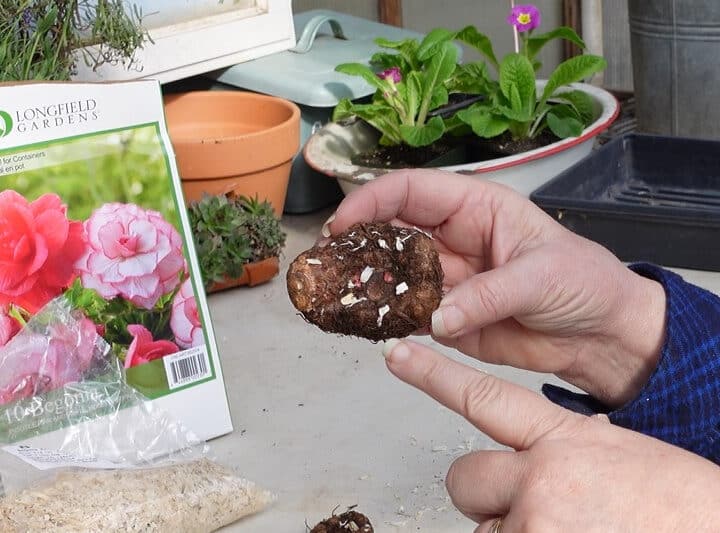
(508, 413)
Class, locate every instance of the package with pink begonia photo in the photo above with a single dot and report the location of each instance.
(91, 213)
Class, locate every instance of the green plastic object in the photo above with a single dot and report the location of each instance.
(306, 74)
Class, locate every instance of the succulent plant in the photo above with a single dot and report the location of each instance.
(230, 232)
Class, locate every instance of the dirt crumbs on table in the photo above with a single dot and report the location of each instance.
(197, 496)
(343, 523)
(375, 281)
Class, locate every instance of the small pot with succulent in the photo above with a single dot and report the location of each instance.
(238, 240)
(426, 103)
(45, 39)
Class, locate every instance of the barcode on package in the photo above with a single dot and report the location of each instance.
(187, 367)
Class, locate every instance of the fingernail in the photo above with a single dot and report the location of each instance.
(446, 321)
(396, 349)
(325, 231)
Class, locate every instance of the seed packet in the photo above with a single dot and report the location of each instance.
(91, 210)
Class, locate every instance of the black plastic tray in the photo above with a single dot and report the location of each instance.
(646, 198)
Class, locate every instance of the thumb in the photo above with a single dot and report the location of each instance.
(509, 414)
(487, 297)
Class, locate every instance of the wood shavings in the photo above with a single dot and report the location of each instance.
(384, 310)
(366, 273)
(192, 497)
(426, 233)
(361, 245)
(312, 261)
(350, 299)
(401, 288)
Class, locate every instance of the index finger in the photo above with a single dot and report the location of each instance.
(510, 414)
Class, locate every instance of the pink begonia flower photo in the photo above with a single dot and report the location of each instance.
(38, 247)
(185, 319)
(33, 363)
(144, 348)
(133, 253)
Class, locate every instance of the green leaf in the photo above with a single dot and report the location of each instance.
(358, 69)
(471, 78)
(407, 52)
(536, 42)
(441, 66)
(517, 83)
(423, 135)
(573, 70)
(580, 101)
(404, 44)
(383, 61)
(516, 115)
(439, 97)
(367, 111)
(46, 22)
(563, 123)
(343, 110)
(483, 122)
(456, 127)
(381, 117)
(413, 90)
(432, 43)
(149, 378)
(472, 37)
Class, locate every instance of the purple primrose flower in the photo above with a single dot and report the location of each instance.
(524, 18)
(393, 74)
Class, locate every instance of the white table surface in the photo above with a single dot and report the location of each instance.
(321, 422)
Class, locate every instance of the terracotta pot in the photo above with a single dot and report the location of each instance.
(233, 142)
(331, 148)
(253, 274)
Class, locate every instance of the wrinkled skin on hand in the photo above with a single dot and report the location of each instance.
(521, 289)
(565, 472)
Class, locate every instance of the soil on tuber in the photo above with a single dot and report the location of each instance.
(375, 281)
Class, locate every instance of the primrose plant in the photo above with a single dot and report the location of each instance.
(415, 81)
(517, 105)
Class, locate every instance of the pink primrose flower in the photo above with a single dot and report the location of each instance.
(133, 253)
(391, 74)
(524, 18)
(185, 319)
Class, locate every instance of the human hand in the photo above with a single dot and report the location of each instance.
(521, 289)
(569, 472)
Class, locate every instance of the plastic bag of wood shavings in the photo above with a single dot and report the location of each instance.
(84, 451)
(194, 496)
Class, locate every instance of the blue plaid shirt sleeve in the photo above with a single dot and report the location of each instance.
(680, 404)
